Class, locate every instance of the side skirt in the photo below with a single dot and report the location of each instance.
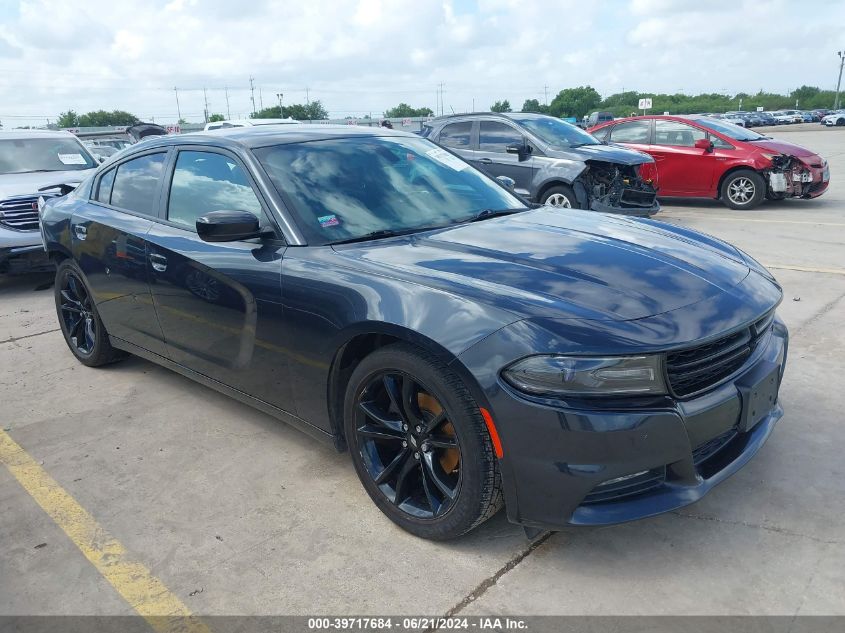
(245, 398)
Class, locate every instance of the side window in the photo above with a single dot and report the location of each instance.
(135, 184)
(456, 135)
(495, 137)
(719, 143)
(602, 133)
(630, 132)
(104, 188)
(676, 133)
(203, 182)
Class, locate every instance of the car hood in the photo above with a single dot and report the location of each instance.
(25, 184)
(782, 147)
(609, 153)
(561, 263)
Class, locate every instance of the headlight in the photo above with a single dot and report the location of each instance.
(587, 376)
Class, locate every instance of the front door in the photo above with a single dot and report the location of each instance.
(108, 236)
(682, 168)
(493, 158)
(219, 304)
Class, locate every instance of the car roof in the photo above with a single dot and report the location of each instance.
(25, 134)
(267, 135)
(503, 115)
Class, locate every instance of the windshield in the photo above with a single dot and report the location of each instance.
(18, 156)
(730, 130)
(557, 133)
(346, 188)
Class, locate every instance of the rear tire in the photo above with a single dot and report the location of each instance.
(435, 479)
(83, 331)
(743, 189)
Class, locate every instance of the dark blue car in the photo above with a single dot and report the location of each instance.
(376, 291)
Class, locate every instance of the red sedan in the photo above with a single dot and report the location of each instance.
(700, 157)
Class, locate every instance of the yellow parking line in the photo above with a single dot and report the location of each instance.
(807, 269)
(144, 592)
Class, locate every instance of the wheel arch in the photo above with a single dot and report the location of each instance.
(366, 339)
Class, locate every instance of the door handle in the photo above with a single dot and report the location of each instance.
(158, 262)
(485, 161)
(81, 231)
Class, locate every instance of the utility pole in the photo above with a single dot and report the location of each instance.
(178, 109)
(440, 97)
(280, 95)
(260, 99)
(252, 92)
(546, 95)
(836, 103)
(205, 99)
(226, 90)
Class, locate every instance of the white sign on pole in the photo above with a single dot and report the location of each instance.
(645, 104)
(759, 108)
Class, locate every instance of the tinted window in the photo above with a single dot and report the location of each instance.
(631, 132)
(676, 133)
(136, 182)
(345, 188)
(104, 188)
(456, 134)
(602, 133)
(495, 137)
(204, 182)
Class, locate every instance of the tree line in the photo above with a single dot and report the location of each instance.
(569, 102)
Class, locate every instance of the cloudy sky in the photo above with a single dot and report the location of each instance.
(363, 56)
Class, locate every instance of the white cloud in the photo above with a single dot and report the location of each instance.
(366, 56)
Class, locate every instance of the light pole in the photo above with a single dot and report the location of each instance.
(839, 81)
(280, 95)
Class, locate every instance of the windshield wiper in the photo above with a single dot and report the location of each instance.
(377, 235)
(492, 213)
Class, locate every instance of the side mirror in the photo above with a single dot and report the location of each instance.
(520, 149)
(704, 143)
(507, 183)
(227, 226)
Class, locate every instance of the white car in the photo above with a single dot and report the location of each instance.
(219, 125)
(834, 118)
(30, 161)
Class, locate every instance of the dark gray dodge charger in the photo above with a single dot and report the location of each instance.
(378, 292)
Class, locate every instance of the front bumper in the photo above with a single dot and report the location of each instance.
(560, 468)
(22, 251)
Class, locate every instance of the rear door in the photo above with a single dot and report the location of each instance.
(684, 169)
(492, 156)
(108, 237)
(219, 304)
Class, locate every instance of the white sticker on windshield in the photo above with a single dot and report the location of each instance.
(73, 159)
(441, 155)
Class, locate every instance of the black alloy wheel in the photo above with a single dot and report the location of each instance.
(419, 443)
(80, 323)
(408, 444)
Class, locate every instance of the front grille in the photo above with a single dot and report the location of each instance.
(617, 489)
(695, 369)
(709, 448)
(21, 212)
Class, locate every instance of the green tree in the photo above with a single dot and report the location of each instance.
(575, 102)
(403, 110)
(313, 111)
(501, 106)
(216, 117)
(533, 105)
(68, 119)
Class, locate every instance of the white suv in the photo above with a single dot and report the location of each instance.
(31, 161)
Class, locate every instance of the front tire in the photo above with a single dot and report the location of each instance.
(83, 331)
(419, 444)
(743, 190)
(561, 197)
